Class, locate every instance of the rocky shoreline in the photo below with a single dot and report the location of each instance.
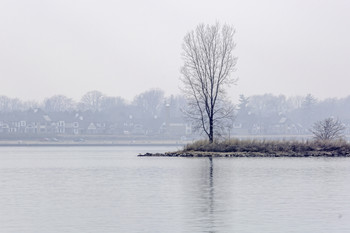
(191, 154)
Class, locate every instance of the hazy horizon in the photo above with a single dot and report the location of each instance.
(124, 48)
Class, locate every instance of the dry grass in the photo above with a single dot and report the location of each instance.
(269, 146)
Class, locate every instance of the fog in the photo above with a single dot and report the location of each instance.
(123, 48)
(155, 116)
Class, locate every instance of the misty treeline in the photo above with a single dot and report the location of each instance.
(149, 102)
(296, 114)
(256, 114)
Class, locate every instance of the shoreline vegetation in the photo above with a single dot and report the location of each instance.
(261, 148)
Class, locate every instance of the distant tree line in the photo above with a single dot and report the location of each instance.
(264, 111)
(150, 113)
(149, 103)
(256, 112)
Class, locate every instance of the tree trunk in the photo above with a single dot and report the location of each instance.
(211, 130)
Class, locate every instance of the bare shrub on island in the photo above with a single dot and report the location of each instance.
(328, 129)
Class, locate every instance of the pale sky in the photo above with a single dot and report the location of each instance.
(122, 48)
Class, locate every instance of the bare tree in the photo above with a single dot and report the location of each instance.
(59, 103)
(91, 101)
(109, 103)
(11, 104)
(328, 129)
(207, 69)
(5, 104)
(150, 101)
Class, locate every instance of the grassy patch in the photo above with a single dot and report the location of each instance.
(269, 146)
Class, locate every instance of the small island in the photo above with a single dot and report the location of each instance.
(262, 148)
(328, 142)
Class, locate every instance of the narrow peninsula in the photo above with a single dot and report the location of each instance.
(261, 148)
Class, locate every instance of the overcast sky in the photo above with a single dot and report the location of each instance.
(122, 48)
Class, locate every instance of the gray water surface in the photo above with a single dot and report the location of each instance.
(110, 189)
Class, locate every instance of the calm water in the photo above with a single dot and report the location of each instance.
(110, 189)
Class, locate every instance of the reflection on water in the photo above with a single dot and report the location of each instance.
(211, 195)
(101, 189)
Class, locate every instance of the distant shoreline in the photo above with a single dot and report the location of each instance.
(87, 144)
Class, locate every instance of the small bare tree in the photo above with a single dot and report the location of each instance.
(58, 103)
(207, 69)
(91, 101)
(150, 101)
(328, 129)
